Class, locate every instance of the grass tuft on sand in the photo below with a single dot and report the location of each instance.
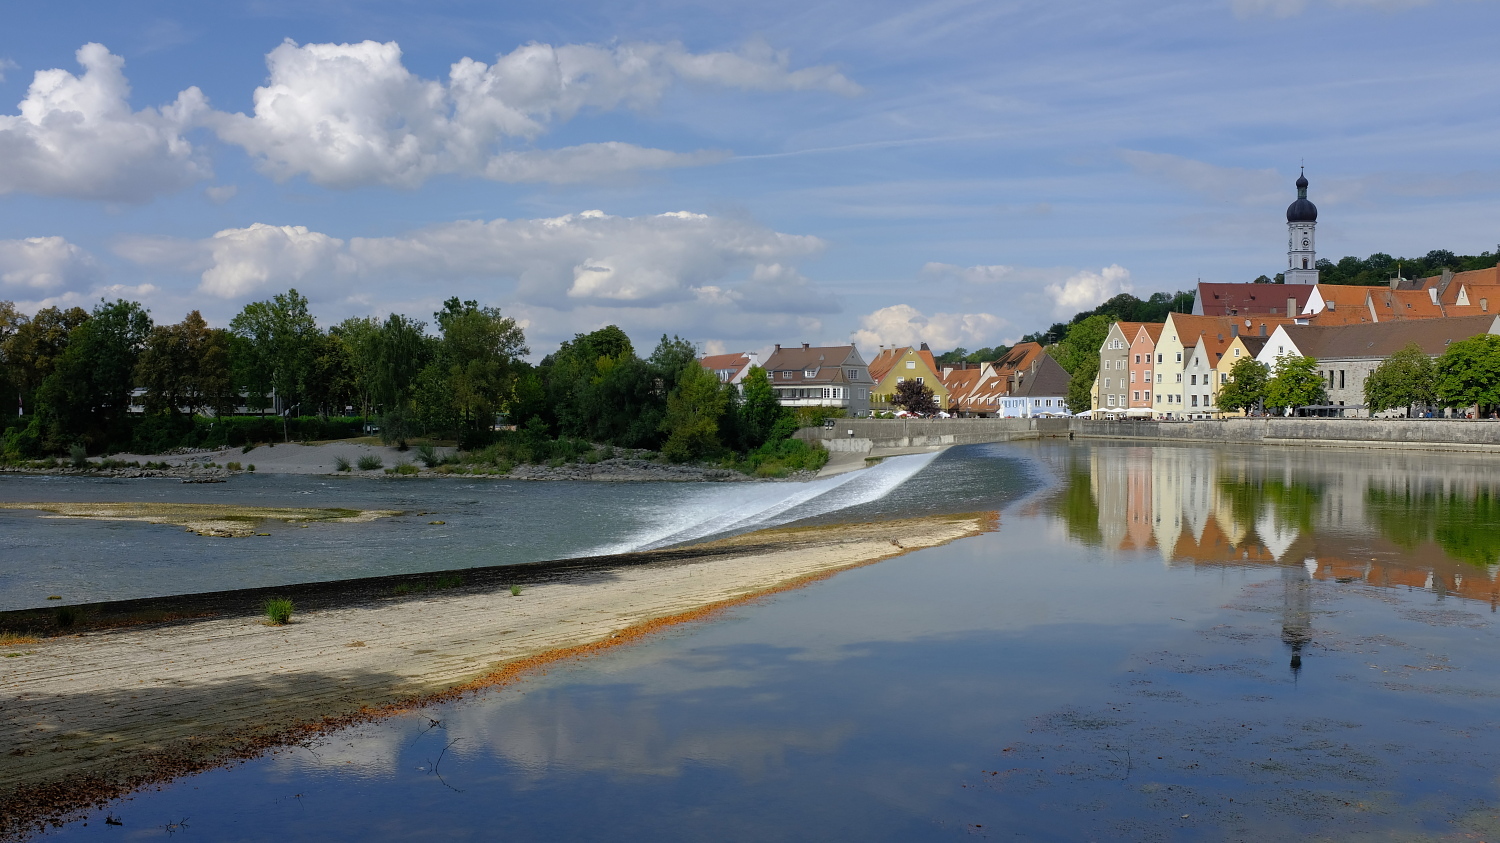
(205, 519)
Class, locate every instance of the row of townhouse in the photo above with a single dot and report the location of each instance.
(1175, 369)
(1025, 382)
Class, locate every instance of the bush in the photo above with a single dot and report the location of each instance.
(370, 462)
(341, 463)
(404, 469)
(428, 455)
(78, 456)
(67, 616)
(234, 466)
(278, 611)
(250, 467)
(777, 459)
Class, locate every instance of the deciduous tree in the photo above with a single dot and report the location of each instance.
(1294, 383)
(1404, 379)
(1246, 387)
(1468, 373)
(914, 396)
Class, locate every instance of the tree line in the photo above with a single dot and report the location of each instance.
(68, 377)
(1378, 269)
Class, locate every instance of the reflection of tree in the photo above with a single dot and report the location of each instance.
(1467, 526)
(1291, 504)
(1077, 507)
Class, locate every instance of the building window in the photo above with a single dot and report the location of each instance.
(1179, 377)
(911, 364)
(1111, 400)
(851, 374)
(810, 373)
(1193, 379)
(920, 380)
(1148, 396)
(1107, 384)
(1158, 378)
(1236, 352)
(1158, 358)
(1179, 357)
(1223, 377)
(1148, 376)
(900, 380)
(1132, 377)
(1137, 358)
(1341, 378)
(1195, 400)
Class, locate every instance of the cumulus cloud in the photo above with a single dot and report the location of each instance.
(1291, 8)
(1086, 290)
(1225, 184)
(219, 194)
(576, 261)
(6, 65)
(903, 324)
(77, 136)
(351, 114)
(45, 263)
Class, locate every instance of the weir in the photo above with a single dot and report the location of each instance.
(872, 436)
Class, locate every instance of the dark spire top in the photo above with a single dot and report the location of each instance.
(1302, 210)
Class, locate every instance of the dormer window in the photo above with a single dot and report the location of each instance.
(810, 373)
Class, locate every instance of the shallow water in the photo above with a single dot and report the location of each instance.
(1165, 644)
(488, 522)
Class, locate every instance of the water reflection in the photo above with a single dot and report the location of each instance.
(1386, 520)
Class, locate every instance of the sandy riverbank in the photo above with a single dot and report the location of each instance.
(89, 717)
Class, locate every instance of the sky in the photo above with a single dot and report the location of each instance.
(960, 173)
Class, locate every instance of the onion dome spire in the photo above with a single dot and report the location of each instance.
(1302, 210)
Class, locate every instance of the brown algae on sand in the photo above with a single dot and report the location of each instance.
(205, 519)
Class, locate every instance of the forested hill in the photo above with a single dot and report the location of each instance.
(1380, 267)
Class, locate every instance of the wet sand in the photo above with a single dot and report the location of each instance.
(93, 716)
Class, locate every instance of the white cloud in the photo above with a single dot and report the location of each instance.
(351, 114)
(76, 136)
(903, 324)
(219, 194)
(45, 263)
(970, 274)
(5, 65)
(578, 262)
(1225, 184)
(1085, 290)
(251, 260)
(1291, 8)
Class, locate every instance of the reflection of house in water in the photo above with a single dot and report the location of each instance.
(1391, 520)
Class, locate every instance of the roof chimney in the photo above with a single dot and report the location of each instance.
(1447, 279)
(1262, 329)
(1234, 330)
(925, 348)
(778, 346)
(1291, 306)
(805, 346)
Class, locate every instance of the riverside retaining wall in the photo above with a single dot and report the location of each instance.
(866, 435)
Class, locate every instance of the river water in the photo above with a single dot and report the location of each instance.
(1158, 643)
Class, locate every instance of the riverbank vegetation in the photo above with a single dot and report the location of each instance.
(78, 382)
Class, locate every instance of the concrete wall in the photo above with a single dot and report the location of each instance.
(1406, 434)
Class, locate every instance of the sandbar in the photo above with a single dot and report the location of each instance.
(205, 519)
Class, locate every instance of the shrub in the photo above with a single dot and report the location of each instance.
(248, 448)
(515, 591)
(555, 462)
(234, 466)
(370, 462)
(428, 455)
(250, 467)
(278, 611)
(78, 456)
(341, 463)
(404, 469)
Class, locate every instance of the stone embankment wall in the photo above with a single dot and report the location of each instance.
(866, 435)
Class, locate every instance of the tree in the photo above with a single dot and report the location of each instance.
(278, 337)
(1294, 383)
(32, 350)
(398, 351)
(1468, 373)
(477, 357)
(185, 366)
(359, 335)
(1404, 379)
(87, 395)
(914, 396)
(693, 410)
(759, 410)
(1078, 354)
(1246, 387)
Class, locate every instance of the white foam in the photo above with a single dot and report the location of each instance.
(741, 507)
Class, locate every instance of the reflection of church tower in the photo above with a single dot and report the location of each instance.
(1302, 237)
(1296, 609)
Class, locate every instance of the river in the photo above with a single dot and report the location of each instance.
(1158, 643)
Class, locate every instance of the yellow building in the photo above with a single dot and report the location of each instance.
(894, 365)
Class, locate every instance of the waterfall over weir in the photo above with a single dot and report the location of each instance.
(741, 507)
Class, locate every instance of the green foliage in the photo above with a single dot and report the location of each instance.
(67, 617)
(370, 462)
(186, 367)
(404, 469)
(914, 396)
(1402, 380)
(758, 410)
(477, 364)
(782, 457)
(341, 463)
(397, 426)
(87, 395)
(275, 348)
(1294, 383)
(1379, 268)
(1468, 373)
(78, 456)
(428, 455)
(278, 611)
(694, 409)
(1246, 387)
(1122, 308)
(963, 355)
(1465, 525)
(1078, 354)
(515, 591)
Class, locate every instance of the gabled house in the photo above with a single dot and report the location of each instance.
(892, 366)
(1239, 348)
(1143, 365)
(1039, 389)
(730, 368)
(1114, 367)
(1347, 354)
(963, 382)
(1180, 333)
(1216, 299)
(832, 376)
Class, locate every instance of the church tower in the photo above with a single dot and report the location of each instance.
(1301, 243)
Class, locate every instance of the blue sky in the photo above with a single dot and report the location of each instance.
(955, 172)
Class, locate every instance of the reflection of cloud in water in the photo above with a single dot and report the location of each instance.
(595, 730)
(370, 751)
